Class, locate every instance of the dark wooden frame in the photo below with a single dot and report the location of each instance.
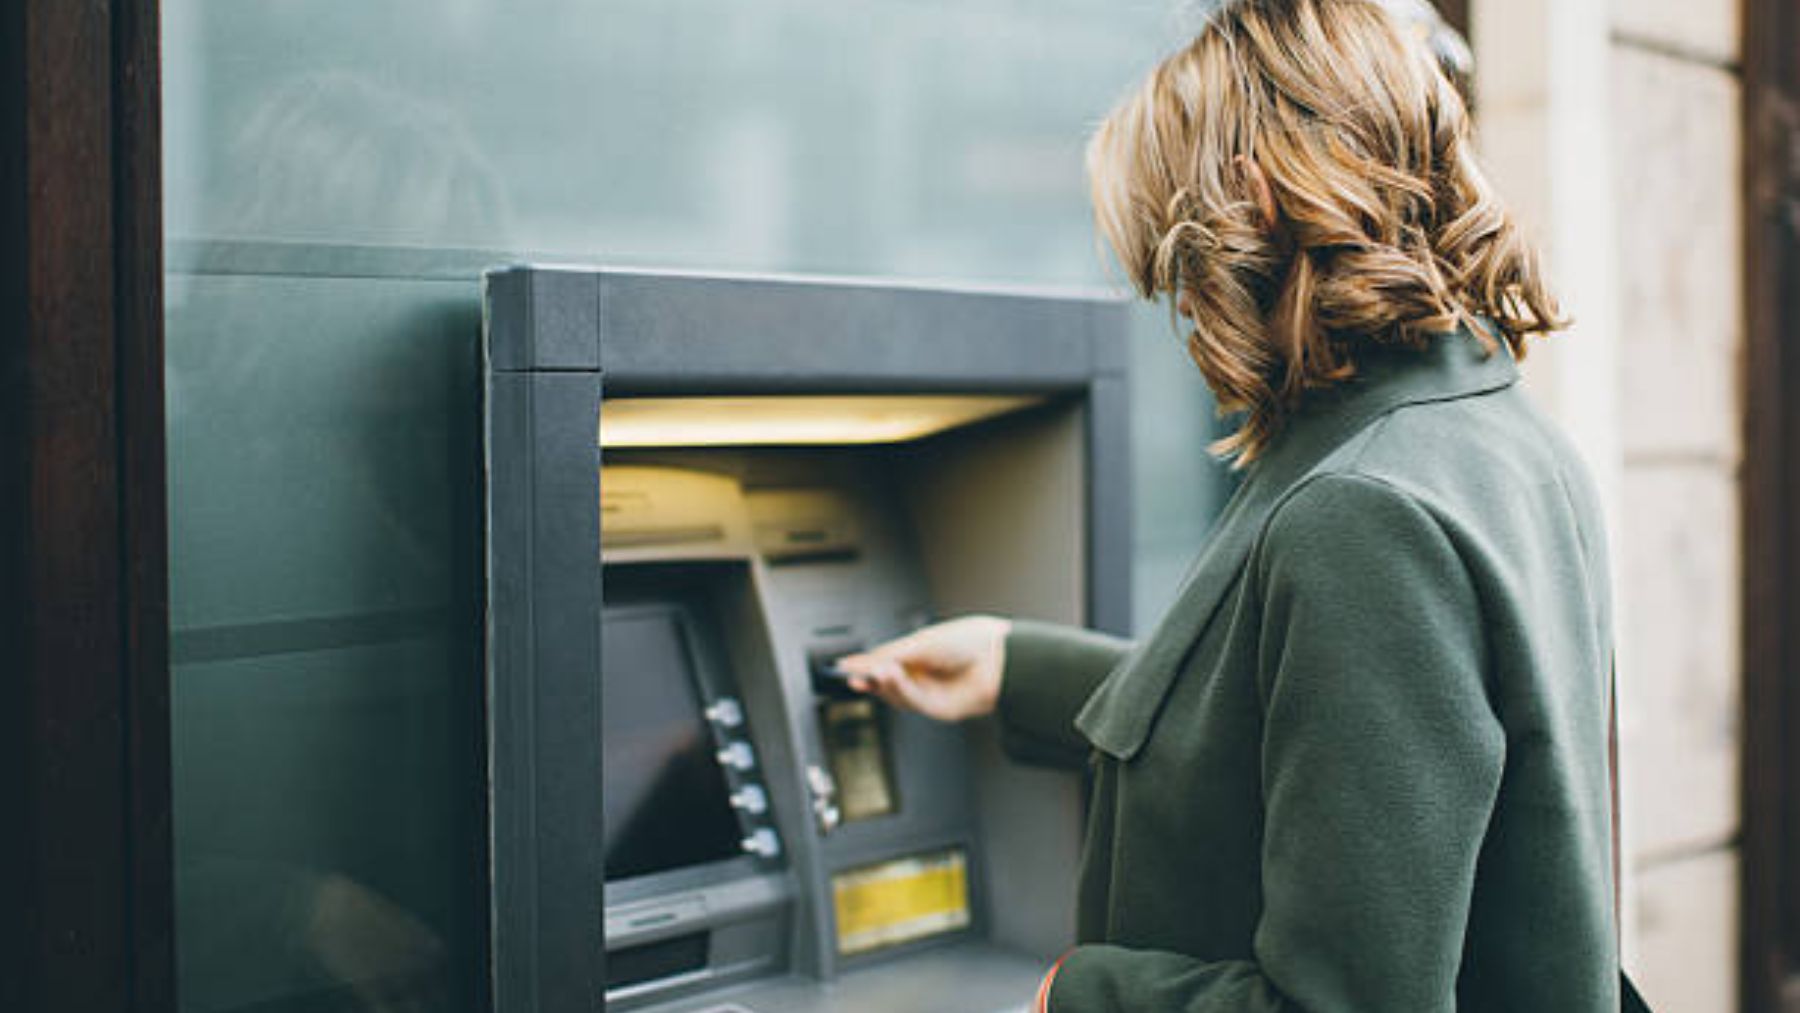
(1770, 898)
(86, 905)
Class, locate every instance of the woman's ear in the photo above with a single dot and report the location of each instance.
(1260, 191)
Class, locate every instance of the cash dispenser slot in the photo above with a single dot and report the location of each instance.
(682, 959)
(669, 946)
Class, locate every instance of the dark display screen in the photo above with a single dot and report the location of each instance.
(666, 802)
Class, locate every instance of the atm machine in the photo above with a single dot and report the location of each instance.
(701, 491)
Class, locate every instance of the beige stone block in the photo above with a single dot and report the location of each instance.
(1511, 143)
(1705, 29)
(1512, 63)
(1686, 928)
(1680, 667)
(1676, 165)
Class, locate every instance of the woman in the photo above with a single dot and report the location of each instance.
(1362, 763)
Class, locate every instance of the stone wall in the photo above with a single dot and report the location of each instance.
(1612, 129)
(1676, 139)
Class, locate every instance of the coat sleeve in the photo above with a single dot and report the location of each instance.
(1050, 672)
(1381, 764)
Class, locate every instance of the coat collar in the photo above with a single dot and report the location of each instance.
(1117, 718)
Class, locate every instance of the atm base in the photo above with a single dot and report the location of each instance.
(972, 978)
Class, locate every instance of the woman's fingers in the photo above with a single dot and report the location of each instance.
(870, 666)
(942, 671)
(903, 691)
(887, 679)
(868, 671)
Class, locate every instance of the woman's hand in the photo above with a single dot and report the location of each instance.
(950, 671)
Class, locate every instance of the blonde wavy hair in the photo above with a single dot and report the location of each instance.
(1384, 228)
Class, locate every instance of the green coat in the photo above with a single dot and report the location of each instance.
(1361, 765)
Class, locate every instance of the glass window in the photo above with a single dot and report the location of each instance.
(337, 177)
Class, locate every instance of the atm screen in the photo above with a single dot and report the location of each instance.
(666, 801)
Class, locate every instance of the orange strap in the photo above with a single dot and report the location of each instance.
(1042, 1005)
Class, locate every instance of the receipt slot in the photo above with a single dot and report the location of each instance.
(701, 491)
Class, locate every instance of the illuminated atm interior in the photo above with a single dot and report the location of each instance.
(763, 820)
(773, 473)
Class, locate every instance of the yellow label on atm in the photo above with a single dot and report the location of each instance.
(899, 901)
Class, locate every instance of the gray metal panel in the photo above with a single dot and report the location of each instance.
(509, 667)
(544, 700)
(1109, 323)
(1109, 502)
(732, 333)
(566, 580)
(542, 319)
(669, 331)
